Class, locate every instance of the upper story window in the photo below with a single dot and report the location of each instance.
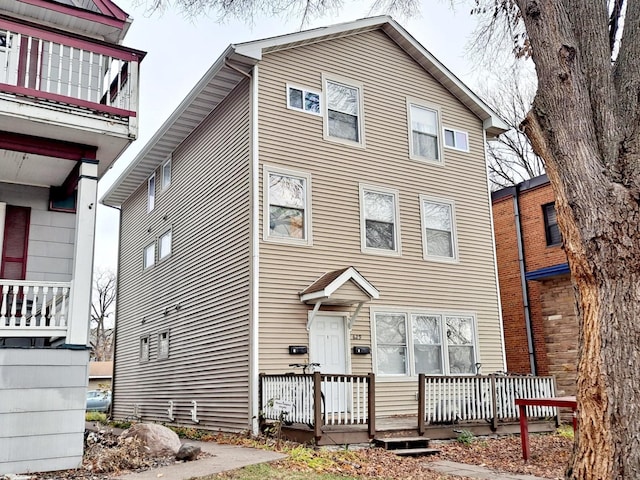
(551, 228)
(379, 225)
(413, 342)
(302, 99)
(438, 229)
(287, 215)
(151, 192)
(456, 139)
(166, 174)
(164, 245)
(424, 132)
(144, 348)
(163, 345)
(344, 113)
(149, 255)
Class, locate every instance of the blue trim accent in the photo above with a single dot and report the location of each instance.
(547, 272)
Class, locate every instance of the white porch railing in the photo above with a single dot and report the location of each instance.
(34, 309)
(70, 70)
(490, 398)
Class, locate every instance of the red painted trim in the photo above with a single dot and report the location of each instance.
(46, 146)
(70, 100)
(122, 53)
(105, 19)
(110, 8)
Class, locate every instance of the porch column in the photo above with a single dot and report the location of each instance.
(82, 279)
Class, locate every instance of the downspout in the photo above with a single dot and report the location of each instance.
(523, 280)
(254, 352)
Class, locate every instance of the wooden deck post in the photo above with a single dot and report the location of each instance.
(494, 397)
(317, 405)
(260, 405)
(371, 400)
(421, 404)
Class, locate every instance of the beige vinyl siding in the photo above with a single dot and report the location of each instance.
(207, 208)
(293, 139)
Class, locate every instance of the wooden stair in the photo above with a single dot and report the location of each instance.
(406, 446)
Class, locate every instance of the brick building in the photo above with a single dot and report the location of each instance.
(538, 305)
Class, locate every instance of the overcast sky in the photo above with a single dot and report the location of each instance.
(180, 50)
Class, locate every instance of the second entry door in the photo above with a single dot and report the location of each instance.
(327, 344)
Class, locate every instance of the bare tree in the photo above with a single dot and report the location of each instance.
(102, 305)
(585, 123)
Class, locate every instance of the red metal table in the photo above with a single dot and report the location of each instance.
(523, 403)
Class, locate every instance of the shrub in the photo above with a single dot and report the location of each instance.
(465, 437)
(95, 417)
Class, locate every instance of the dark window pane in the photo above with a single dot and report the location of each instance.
(295, 98)
(380, 235)
(312, 102)
(343, 125)
(554, 237)
(449, 139)
(286, 222)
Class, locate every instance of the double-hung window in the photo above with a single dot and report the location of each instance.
(304, 100)
(144, 348)
(149, 255)
(151, 192)
(164, 245)
(424, 132)
(163, 344)
(434, 343)
(287, 215)
(343, 118)
(551, 228)
(438, 229)
(379, 220)
(166, 174)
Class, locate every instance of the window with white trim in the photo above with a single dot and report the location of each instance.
(287, 201)
(144, 348)
(456, 139)
(163, 344)
(379, 225)
(438, 229)
(424, 128)
(164, 245)
(304, 100)
(149, 255)
(166, 174)
(343, 112)
(410, 342)
(151, 192)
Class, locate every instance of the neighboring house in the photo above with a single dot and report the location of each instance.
(538, 303)
(320, 196)
(100, 375)
(68, 103)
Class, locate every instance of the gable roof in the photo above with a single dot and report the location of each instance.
(328, 283)
(228, 71)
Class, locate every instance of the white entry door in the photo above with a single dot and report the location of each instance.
(327, 342)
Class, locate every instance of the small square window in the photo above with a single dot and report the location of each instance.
(151, 193)
(149, 255)
(144, 348)
(424, 128)
(163, 345)
(343, 112)
(438, 227)
(552, 230)
(166, 175)
(456, 139)
(164, 245)
(299, 98)
(379, 220)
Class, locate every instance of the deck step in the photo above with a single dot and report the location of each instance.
(415, 452)
(402, 443)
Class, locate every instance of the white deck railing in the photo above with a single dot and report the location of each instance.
(447, 399)
(89, 75)
(34, 309)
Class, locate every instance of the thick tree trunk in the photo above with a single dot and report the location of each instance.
(584, 123)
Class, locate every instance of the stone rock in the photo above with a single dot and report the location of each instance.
(160, 440)
(188, 452)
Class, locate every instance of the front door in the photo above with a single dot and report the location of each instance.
(327, 342)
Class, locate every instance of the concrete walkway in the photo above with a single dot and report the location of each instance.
(475, 471)
(225, 457)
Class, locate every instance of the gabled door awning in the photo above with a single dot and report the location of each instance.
(339, 287)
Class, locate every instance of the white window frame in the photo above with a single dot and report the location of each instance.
(439, 131)
(147, 357)
(326, 79)
(170, 234)
(151, 192)
(164, 183)
(454, 131)
(307, 240)
(363, 221)
(146, 266)
(454, 235)
(164, 355)
(410, 363)
(304, 91)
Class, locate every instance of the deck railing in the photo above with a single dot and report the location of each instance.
(481, 397)
(319, 399)
(34, 309)
(68, 70)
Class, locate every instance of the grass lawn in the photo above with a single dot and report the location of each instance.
(268, 472)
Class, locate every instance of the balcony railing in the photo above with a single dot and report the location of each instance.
(34, 309)
(68, 70)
